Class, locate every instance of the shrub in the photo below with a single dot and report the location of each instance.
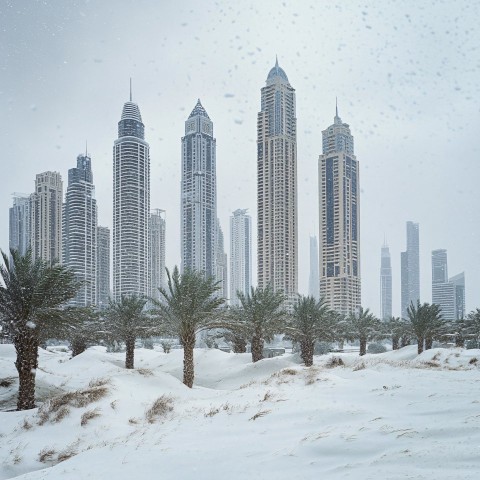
(161, 406)
(376, 348)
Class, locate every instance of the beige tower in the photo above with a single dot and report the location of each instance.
(46, 217)
(277, 186)
(339, 209)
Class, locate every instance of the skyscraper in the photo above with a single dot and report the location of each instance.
(448, 294)
(240, 254)
(199, 194)
(19, 223)
(80, 230)
(277, 186)
(103, 267)
(385, 284)
(156, 257)
(411, 268)
(314, 279)
(339, 210)
(222, 262)
(46, 217)
(131, 204)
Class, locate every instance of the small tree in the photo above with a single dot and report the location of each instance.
(311, 320)
(190, 305)
(472, 325)
(260, 317)
(363, 326)
(31, 297)
(83, 328)
(126, 320)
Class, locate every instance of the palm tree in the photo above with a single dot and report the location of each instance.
(190, 305)
(30, 299)
(396, 328)
(472, 325)
(363, 326)
(126, 320)
(311, 320)
(84, 328)
(260, 317)
(426, 323)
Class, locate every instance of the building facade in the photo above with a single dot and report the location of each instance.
(222, 262)
(199, 194)
(46, 217)
(131, 205)
(103, 267)
(339, 210)
(19, 223)
(79, 230)
(448, 294)
(385, 284)
(277, 246)
(240, 254)
(410, 261)
(314, 279)
(157, 232)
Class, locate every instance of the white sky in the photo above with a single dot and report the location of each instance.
(406, 76)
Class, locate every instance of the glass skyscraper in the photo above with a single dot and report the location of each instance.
(410, 263)
(385, 284)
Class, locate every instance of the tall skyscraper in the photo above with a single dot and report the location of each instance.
(131, 204)
(19, 223)
(240, 254)
(103, 267)
(385, 284)
(80, 230)
(411, 269)
(222, 262)
(314, 279)
(339, 201)
(277, 248)
(199, 194)
(46, 217)
(448, 294)
(156, 257)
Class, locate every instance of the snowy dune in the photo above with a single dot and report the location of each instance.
(394, 415)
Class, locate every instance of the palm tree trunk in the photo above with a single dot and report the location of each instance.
(239, 345)
(26, 345)
(129, 355)
(79, 345)
(188, 366)
(459, 341)
(395, 341)
(307, 349)
(428, 343)
(420, 345)
(363, 346)
(404, 341)
(257, 348)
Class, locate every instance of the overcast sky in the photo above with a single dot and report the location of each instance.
(406, 74)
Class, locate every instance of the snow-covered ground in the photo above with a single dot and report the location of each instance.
(389, 416)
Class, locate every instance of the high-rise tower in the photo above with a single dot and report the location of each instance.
(46, 217)
(131, 204)
(222, 262)
(80, 230)
(240, 254)
(19, 223)
(339, 208)
(410, 260)
(385, 284)
(277, 248)
(199, 194)
(314, 279)
(156, 258)
(103, 267)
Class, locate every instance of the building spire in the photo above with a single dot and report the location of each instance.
(276, 61)
(336, 106)
(86, 148)
(130, 88)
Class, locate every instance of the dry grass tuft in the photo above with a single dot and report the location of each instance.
(7, 382)
(26, 425)
(259, 414)
(133, 421)
(288, 371)
(213, 411)
(77, 399)
(146, 372)
(359, 366)
(431, 364)
(268, 395)
(99, 382)
(334, 362)
(473, 361)
(88, 415)
(46, 455)
(161, 406)
(67, 453)
(113, 405)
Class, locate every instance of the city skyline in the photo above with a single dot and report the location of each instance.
(409, 121)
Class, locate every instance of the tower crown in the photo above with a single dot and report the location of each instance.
(276, 74)
(199, 110)
(131, 112)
